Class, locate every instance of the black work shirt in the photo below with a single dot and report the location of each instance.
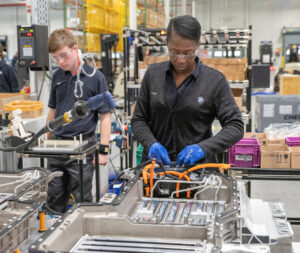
(62, 99)
(175, 93)
(208, 98)
(8, 78)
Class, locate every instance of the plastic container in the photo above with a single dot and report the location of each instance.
(292, 141)
(245, 153)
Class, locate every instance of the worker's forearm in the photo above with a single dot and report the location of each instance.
(105, 129)
(51, 116)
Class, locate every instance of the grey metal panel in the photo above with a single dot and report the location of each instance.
(8, 160)
(276, 109)
(42, 12)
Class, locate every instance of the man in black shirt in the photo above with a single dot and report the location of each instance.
(8, 78)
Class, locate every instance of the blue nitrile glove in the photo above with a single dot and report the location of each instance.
(189, 155)
(159, 152)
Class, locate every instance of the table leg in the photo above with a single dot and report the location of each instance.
(42, 162)
(81, 179)
(97, 175)
(249, 188)
(20, 163)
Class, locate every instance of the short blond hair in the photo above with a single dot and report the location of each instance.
(60, 38)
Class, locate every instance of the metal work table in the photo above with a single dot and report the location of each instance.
(80, 154)
(268, 174)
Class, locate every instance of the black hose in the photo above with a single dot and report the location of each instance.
(46, 207)
(26, 144)
(142, 165)
(135, 168)
(116, 179)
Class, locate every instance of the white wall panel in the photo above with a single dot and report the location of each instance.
(16, 15)
(10, 18)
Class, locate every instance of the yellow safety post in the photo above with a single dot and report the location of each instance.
(42, 222)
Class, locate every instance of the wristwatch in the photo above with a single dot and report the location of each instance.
(103, 149)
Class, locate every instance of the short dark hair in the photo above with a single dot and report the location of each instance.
(185, 26)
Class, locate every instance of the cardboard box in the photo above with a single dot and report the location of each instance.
(80, 42)
(147, 61)
(289, 84)
(97, 62)
(234, 69)
(260, 136)
(238, 96)
(275, 156)
(155, 59)
(295, 158)
(141, 19)
(266, 141)
(79, 16)
(276, 141)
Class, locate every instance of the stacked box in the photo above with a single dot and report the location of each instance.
(142, 66)
(155, 59)
(155, 19)
(275, 156)
(275, 141)
(295, 157)
(276, 109)
(289, 84)
(238, 96)
(245, 153)
(235, 69)
(259, 136)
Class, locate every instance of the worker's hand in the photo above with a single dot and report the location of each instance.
(49, 135)
(102, 159)
(159, 152)
(189, 155)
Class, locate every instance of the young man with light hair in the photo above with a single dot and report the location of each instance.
(74, 80)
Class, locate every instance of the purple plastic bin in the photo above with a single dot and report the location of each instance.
(245, 153)
(292, 141)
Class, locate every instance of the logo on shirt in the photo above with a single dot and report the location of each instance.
(153, 93)
(200, 100)
(1, 72)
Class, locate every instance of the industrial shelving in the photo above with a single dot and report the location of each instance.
(139, 38)
(230, 41)
(98, 17)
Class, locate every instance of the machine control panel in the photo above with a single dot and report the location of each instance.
(26, 40)
(32, 46)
